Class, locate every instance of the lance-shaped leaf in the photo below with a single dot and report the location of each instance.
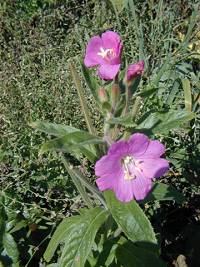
(10, 248)
(130, 217)
(90, 81)
(79, 141)
(78, 234)
(163, 192)
(77, 182)
(82, 99)
(130, 255)
(53, 128)
(187, 94)
(162, 122)
(124, 121)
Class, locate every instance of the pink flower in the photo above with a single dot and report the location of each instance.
(104, 52)
(134, 70)
(130, 166)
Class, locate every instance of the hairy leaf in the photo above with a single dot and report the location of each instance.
(77, 233)
(162, 122)
(162, 191)
(131, 219)
(52, 128)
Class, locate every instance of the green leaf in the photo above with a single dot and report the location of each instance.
(131, 219)
(162, 122)
(90, 81)
(174, 91)
(130, 255)
(10, 247)
(79, 141)
(124, 121)
(118, 5)
(147, 92)
(77, 233)
(83, 102)
(77, 182)
(2, 221)
(52, 128)
(187, 94)
(162, 192)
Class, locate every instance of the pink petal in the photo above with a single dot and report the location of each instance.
(138, 144)
(134, 70)
(104, 184)
(119, 148)
(108, 165)
(109, 181)
(154, 168)
(93, 48)
(111, 39)
(123, 189)
(155, 150)
(141, 187)
(108, 71)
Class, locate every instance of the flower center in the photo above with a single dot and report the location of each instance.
(107, 54)
(128, 162)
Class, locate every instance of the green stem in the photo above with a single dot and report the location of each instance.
(128, 97)
(107, 136)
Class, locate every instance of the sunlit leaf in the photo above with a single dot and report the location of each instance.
(163, 192)
(77, 233)
(130, 217)
(162, 122)
(53, 128)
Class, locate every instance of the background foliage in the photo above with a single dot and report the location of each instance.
(37, 40)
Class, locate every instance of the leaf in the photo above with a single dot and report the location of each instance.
(162, 192)
(77, 233)
(130, 255)
(10, 247)
(162, 122)
(73, 142)
(147, 92)
(131, 218)
(77, 182)
(172, 94)
(187, 94)
(125, 121)
(90, 81)
(52, 128)
(2, 221)
(83, 102)
(118, 5)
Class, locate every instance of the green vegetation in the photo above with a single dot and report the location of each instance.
(37, 40)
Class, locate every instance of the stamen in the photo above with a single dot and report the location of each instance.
(127, 174)
(107, 53)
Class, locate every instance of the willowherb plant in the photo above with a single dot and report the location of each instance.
(113, 230)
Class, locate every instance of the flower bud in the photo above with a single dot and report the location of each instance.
(103, 95)
(115, 92)
(134, 70)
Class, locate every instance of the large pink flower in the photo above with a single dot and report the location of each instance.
(105, 52)
(130, 166)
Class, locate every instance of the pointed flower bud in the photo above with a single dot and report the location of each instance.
(134, 70)
(103, 95)
(115, 92)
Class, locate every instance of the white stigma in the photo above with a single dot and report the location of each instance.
(126, 162)
(104, 53)
(136, 164)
